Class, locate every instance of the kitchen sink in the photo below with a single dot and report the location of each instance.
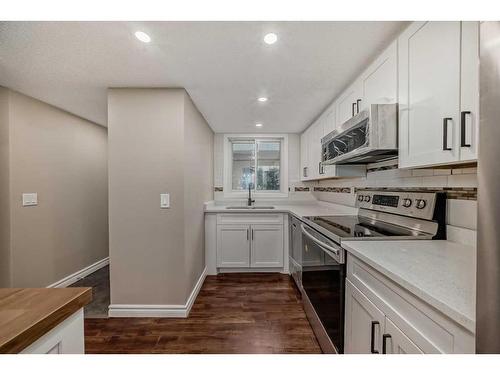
(250, 207)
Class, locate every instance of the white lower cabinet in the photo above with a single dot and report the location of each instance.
(383, 317)
(267, 246)
(233, 245)
(65, 338)
(396, 342)
(364, 323)
(250, 241)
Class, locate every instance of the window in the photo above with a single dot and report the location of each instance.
(268, 165)
(256, 163)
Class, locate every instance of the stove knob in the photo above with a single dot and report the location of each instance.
(360, 198)
(421, 203)
(367, 198)
(407, 202)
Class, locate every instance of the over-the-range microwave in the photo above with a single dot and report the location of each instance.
(370, 136)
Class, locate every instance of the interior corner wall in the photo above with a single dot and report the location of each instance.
(63, 158)
(198, 188)
(5, 261)
(146, 156)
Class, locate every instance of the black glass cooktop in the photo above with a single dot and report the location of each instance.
(359, 226)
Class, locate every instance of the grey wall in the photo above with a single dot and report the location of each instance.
(63, 158)
(158, 143)
(5, 274)
(198, 187)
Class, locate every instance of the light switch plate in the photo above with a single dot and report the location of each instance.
(30, 199)
(164, 200)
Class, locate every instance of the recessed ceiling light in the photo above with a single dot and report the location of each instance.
(270, 38)
(262, 99)
(259, 125)
(142, 36)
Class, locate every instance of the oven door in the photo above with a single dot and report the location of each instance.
(323, 284)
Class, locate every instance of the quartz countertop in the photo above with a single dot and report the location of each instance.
(26, 314)
(441, 273)
(299, 209)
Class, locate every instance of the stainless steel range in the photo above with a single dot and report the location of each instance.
(382, 215)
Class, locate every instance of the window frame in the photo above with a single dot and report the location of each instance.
(228, 166)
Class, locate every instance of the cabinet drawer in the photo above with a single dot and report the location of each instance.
(430, 330)
(250, 218)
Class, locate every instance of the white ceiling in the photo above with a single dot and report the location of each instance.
(224, 66)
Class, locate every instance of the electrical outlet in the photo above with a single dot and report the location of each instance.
(30, 199)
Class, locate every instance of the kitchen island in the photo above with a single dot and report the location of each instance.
(42, 320)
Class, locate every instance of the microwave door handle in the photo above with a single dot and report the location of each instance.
(319, 243)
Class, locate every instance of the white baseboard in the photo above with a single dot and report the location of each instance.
(158, 311)
(252, 270)
(74, 277)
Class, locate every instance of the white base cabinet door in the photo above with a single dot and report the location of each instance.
(249, 242)
(267, 246)
(233, 245)
(394, 341)
(364, 323)
(407, 323)
(65, 338)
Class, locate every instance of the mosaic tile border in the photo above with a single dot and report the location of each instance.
(327, 189)
(301, 188)
(462, 193)
(384, 168)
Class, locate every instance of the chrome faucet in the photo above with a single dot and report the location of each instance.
(250, 200)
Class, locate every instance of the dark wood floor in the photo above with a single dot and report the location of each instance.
(99, 282)
(234, 313)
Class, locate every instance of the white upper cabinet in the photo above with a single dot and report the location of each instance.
(469, 94)
(330, 120)
(431, 65)
(379, 83)
(349, 103)
(316, 133)
(304, 155)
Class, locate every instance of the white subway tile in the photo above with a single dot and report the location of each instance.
(462, 213)
(469, 170)
(442, 172)
(422, 172)
(462, 180)
(435, 181)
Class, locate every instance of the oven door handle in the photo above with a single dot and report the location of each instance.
(323, 245)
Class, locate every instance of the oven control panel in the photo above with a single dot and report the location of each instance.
(416, 204)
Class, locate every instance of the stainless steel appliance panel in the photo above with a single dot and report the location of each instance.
(323, 283)
(368, 137)
(488, 240)
(295, 251)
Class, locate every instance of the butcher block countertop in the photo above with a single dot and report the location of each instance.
(26, 314)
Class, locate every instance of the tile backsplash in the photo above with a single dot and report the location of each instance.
(460, 185)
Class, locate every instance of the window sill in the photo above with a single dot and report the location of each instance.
(256, 195)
